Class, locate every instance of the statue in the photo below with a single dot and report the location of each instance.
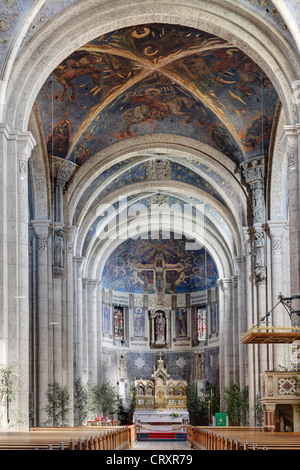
(160, 328)
(58, 253)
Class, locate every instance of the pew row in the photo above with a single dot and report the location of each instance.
(72, 438)
(240, 438)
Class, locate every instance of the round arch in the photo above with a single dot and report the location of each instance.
(94, 265)
(159, 185)
(178, 147)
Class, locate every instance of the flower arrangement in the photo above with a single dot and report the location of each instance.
(174, 415)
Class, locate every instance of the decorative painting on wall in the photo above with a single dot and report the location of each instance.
(106, 319)
(181, 322)
(138, 322)
(157, 78)
(214, 318)
(132, 267)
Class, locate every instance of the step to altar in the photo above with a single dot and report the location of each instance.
(161, 436)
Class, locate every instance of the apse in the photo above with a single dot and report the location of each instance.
(132, 266)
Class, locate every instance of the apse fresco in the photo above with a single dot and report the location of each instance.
(157, 79)
(131, 267)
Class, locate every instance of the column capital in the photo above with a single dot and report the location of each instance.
(225, 282)
(79, 265)
(289, 137)
(253, 170)
(62, 169)
(41, 228)
(24, 140)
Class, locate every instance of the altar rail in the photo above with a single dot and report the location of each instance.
(240, 438)
(70, 438)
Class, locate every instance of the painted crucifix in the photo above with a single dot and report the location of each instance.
(159, 269)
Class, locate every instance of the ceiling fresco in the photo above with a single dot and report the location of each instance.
(157, 79)
(15, 13)
(185, 270)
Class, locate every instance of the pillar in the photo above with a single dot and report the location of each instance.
(15, 150)
(41, 321)
(92, 330)
(225, 333)
(269, 418)
(78, 336)
(279, 316)
(290, 140)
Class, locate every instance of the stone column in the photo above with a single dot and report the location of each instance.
(41, 322)
(279, 316)
(241, 320)
(99, 320)
(68, 319)
(236, 337)
(248, 312)
(92, 330)
(15, 150)
(225, 333)
(290, 140)
(254, 175)
(84, 331)
(78, 336)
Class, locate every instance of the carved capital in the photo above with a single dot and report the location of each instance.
(254, 170)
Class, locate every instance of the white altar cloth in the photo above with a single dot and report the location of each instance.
(160, 416)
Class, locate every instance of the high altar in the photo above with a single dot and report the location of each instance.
(161, 399)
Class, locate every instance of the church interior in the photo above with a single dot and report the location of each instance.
(150, 222)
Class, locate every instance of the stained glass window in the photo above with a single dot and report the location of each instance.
(201, 324)
(118, 323)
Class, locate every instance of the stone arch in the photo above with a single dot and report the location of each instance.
(175, 146)
(94, 265)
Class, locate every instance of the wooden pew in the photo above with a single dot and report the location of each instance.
(71, 438)
(243, 438)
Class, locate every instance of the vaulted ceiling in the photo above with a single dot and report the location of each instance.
(160, 82)
(157, 78)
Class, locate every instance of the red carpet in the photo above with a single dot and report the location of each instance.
(162, 435)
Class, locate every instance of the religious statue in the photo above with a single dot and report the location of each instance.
(139, 322)
(58, 253)
(160, 328)
(59, 248)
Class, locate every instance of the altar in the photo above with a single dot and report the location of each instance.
(161, 400)
(161, 417)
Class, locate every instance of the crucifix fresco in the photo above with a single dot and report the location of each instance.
(159, 269)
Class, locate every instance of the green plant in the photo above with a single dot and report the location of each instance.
(80, 403)
(57, 408)
(101, 399)
(126, 405)
(236, 402)
(8, 389)
(198, 411)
